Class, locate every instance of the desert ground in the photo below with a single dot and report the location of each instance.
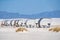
(32, 34)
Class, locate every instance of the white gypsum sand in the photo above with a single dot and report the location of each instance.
(31, 34)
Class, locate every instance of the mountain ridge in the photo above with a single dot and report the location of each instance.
(51, 14)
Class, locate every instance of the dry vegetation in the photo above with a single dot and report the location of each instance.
(55, 29)
(21, 29)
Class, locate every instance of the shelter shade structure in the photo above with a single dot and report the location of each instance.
(45, 23)
(31, 23)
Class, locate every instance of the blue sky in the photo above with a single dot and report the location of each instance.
(29, 6)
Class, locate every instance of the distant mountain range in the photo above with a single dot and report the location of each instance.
(51, 14)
